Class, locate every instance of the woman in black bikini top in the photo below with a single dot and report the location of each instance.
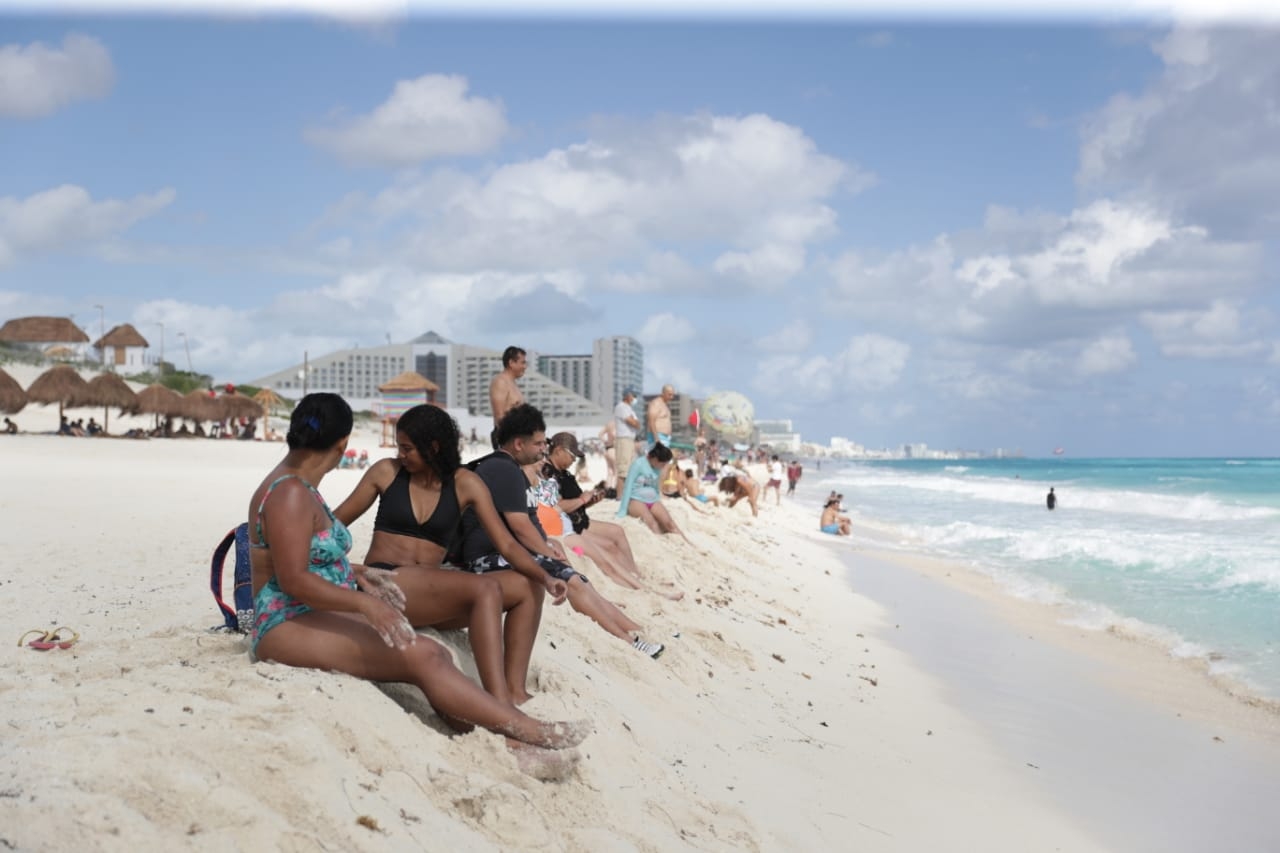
(421, 495)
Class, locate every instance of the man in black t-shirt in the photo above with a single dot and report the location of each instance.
(522, 440)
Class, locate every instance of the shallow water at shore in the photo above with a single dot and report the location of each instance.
(1179, 552)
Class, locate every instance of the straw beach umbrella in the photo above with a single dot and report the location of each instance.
(200, 406)
(61, 385)
(107, 390)
(160, 400)
(239, 406)
(12, 398)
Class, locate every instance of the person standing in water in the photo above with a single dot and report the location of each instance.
(1051, 500)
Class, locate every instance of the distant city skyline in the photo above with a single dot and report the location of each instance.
(969, 233)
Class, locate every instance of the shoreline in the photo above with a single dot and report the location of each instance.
(1110, 727)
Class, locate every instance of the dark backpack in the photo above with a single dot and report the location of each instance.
(240, 619)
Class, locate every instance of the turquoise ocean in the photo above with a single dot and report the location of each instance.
(1184, 553)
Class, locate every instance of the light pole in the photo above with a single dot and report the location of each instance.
(102, 331)
(306, 368)
(160, 366)
(186, 344)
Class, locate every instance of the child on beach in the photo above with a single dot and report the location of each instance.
(314, 610)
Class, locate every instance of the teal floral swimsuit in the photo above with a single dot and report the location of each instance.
(328, 560)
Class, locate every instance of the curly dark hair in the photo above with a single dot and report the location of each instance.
(521, 422)
(318, 422)
(435, 434)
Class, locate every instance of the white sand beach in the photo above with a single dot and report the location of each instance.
(815, 695)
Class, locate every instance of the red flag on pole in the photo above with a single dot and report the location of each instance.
(694, 420)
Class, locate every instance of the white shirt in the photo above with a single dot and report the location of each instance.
(777, 471)
(621, 413)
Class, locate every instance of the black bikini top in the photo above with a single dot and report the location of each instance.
(395, 513)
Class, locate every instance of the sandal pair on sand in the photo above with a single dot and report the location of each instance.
(59, 638)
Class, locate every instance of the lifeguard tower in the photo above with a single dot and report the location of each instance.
(401, 394)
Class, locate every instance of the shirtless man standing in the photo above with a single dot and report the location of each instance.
(504, 394)
(658, 417)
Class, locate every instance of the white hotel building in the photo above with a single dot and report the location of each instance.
(462, 372)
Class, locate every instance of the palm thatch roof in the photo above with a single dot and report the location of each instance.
(269, 399)
(61, 385)
(199, 406)
(108, 389)
(409, 381)
(124, 335)
(39, 330)
(61, 352)
(239, 406)
(12, 398)
(161, 400)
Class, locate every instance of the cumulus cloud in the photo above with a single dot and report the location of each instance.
(1203, 139)
(38, 80)
(633, 202)
(1111, 353)
(666, 329)
(869, 362)
(67, 216)
(1217, 331)
(423, 119)
(796, 336)
(1048, 280)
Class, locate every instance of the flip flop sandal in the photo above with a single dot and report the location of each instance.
(40, 643)
(56, 638)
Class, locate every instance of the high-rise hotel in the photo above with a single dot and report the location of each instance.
(569, 389)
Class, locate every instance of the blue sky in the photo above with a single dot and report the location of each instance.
(973, 233)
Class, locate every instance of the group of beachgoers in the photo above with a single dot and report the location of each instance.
(504, 521)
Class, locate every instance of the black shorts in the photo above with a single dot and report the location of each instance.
(496, 562)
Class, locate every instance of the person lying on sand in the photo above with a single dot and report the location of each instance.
(691, 488)
(313, 610)
(422, 494)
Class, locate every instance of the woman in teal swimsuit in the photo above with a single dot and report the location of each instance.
(315, 611)
(640, 498)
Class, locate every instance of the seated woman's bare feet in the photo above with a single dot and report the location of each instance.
(519, 697)
(563, 735)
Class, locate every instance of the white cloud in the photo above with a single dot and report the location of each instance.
(870, 362)
(1210, 333)
(1203, 139)
(423, 119)
(67, 216)
(37, 80)
(666, 329)
(1111, 353)
(631, 203)
(1048, 279)
(796, 336)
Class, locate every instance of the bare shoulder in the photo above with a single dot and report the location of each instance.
(383, 471)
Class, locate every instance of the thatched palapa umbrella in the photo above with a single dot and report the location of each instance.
(61, 385)
(107, 390)
(12, 398)
(160, 400)
(239, 406)
(200, 406)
